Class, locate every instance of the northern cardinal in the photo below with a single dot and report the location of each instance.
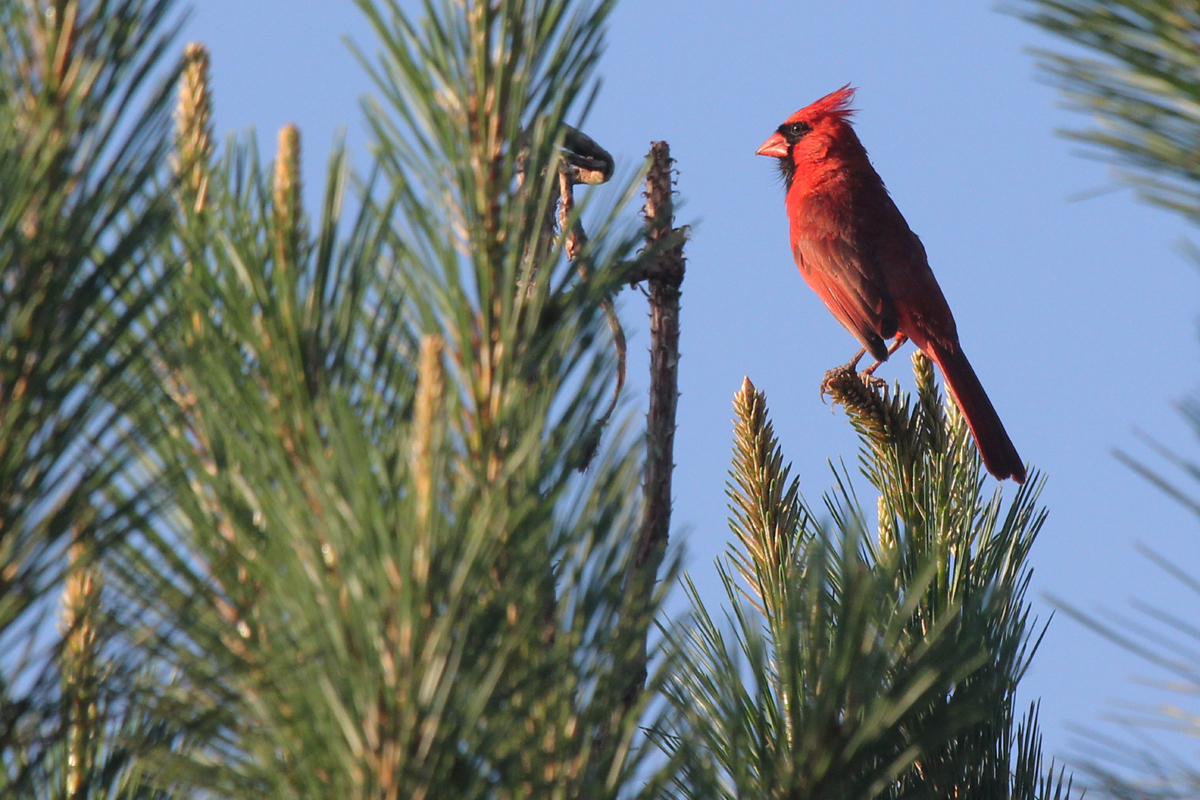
(855, 250)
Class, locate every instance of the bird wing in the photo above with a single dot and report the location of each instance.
(923, 313)
(851, 283)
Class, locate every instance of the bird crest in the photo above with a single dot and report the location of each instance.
(835, 104)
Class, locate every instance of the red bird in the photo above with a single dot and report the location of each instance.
(857, 253)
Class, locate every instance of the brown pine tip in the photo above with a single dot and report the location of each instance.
(864, 398)
(193, 126)
(286, 194)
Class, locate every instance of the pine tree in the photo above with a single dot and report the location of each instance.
(363, 518)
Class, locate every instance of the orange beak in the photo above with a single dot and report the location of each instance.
(775, 146)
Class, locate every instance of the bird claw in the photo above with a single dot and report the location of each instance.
(868, 378)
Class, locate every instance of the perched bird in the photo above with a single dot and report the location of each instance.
(855, 250)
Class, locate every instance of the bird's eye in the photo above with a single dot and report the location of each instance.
(794, 131)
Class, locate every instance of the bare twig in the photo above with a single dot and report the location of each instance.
(664, 281)
(651, 262)
(661, 264)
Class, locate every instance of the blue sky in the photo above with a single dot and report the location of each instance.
(1078, 314)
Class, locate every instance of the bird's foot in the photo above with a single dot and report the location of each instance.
(867, 376)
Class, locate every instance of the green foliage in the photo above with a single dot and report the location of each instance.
(861, 667)
(80, 211)
(366, 556)
(83, 138)
(1140, 80)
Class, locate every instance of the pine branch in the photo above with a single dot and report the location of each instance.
(1139, 82)
(862, 667)
(1142, 87)
(83, 135)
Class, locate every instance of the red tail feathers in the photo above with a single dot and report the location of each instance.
(999, 455)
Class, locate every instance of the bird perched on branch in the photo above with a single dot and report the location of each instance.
(855, 250)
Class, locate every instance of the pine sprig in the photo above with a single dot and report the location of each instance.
(838, 693)
(767, 516)
(933, 515)
(860, 666)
